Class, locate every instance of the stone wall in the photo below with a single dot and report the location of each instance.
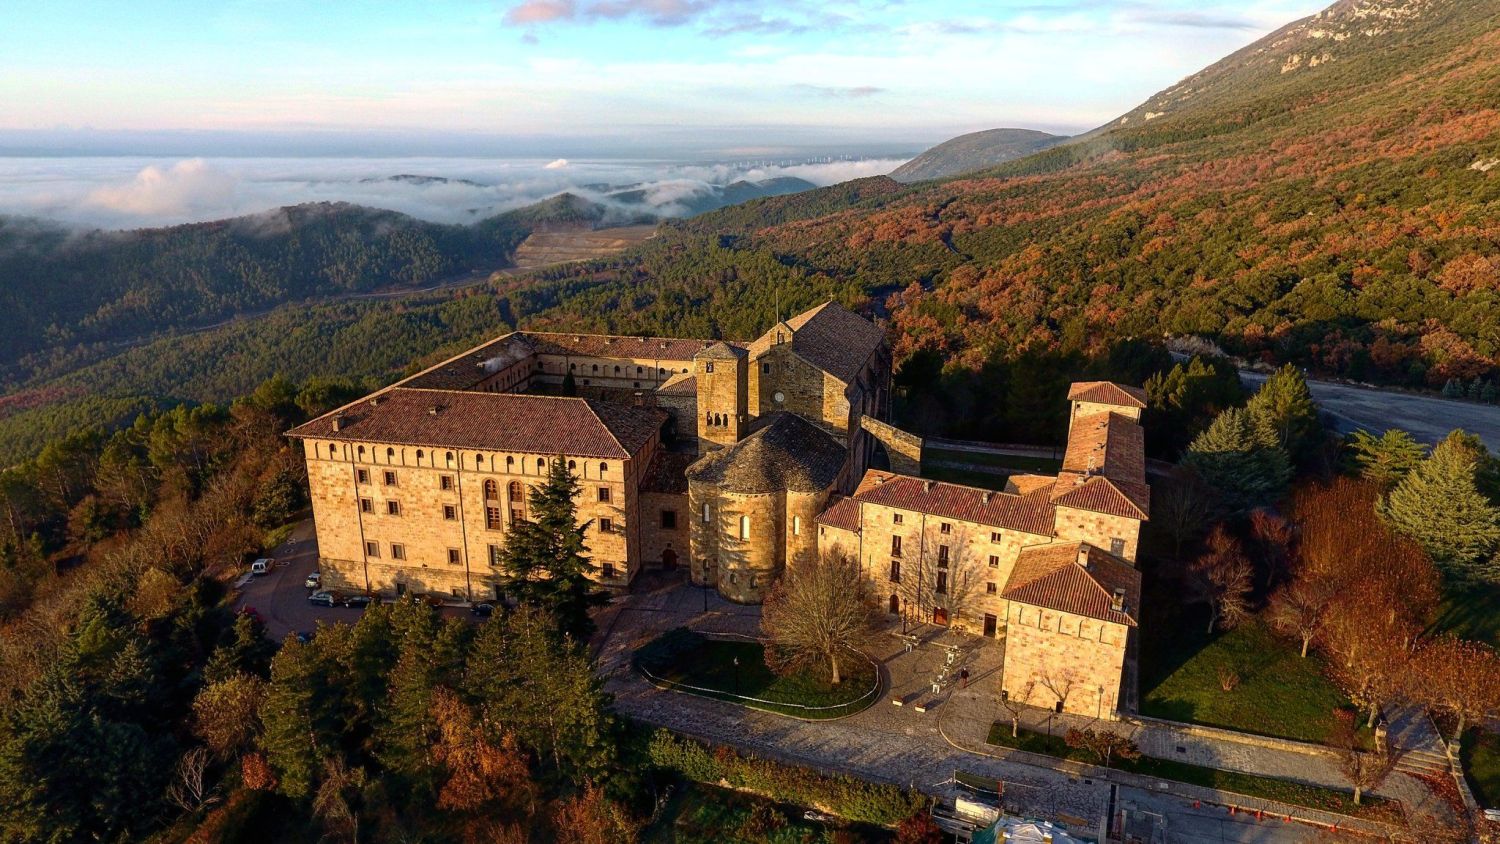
(780, 371)
(1084, 409)
(656, 539)
(905, 450)
(1051, 655)
(1099, 530)
(721, 396)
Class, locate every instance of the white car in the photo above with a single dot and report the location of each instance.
(261, 566)
(313, 581)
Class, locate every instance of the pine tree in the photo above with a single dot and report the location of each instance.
(1489, 394)
(1285, 404)
(1453, 389)
(301, 724)
(1388, 458)
(1240, 457)
(1440, 505)
(546, 556)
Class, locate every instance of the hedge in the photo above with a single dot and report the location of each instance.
(848, 797)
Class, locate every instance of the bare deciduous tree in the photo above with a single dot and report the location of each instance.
(1105, 744)
(1273, 536)
(817, 612)
(1364, 770)
(189, 788)
(1300, 607)
(1224, 575)
(1182, 507)
(333, 804)
(1015, 705)
(1458, 677)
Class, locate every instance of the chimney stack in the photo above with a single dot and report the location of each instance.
(928, 485)
(433, 410)
(1083, 556)
(338, 422)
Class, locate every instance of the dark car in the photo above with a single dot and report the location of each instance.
(482, 610)
(304, 636)
(322, 599)
(358, 600)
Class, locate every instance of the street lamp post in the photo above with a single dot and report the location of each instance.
(736, 676)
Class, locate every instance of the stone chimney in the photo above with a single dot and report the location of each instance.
(1083, 556)
(338, 422)
(928, 485)
(433, 410)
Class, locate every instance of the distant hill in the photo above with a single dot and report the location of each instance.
(710, 197)
(974, 151)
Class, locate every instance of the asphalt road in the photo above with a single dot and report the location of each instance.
(280, 597)
(1427, 418)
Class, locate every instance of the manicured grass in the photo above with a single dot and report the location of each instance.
(1480, 753)
(1471, 611)
(1297, 794)
(1036, 465)
(684, 657)
(1278, 693)
(703, 814)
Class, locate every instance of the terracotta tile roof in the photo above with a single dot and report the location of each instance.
(1104, 467)
(1031, 513)
(615, 346)
(464, 370)
(844, 514)
(1076, 578)
(681, 384)
(666, 473)
(835, 340)
(1022, 484)
(1107, 392)
(492, 421)
(788, 453)
(1102, 495)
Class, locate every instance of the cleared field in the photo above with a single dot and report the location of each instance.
(562, 245)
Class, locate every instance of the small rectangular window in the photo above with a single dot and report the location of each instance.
(446, 483)
(942, 583)
(744, 527)
(669, 520)
(454, 557)
(495, 559)
(450, 513)
(796, 526)
(1117, 547)
(994, 537)
(606, 526)
(603, 495)
(607, 571)
(897, 518)
(706, 518)
(947, 528)
(994, 561)
(362, 475)
(942, 555)
(895, 546)
(366, 505)
(393, 508)
(991, 588)
(708, 367)
(895, 571)
(372, 549)
(390, 478)
(398, 551)
(766, 368)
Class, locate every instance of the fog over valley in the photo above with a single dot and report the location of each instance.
(134, 192)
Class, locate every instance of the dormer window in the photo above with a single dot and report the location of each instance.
(708, 367)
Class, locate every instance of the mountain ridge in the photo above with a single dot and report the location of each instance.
(974, 151)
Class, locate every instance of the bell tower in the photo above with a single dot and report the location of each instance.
(721, 374)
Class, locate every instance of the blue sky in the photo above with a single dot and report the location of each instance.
(636, 69)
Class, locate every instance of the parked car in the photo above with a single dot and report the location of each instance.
(322, 599)
(253, 613)
(304, 636)
(261, 566)
(313, 581)
(482, 610)
(358, 600)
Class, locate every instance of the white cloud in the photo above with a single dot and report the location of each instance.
(184, 189)
(556, 164)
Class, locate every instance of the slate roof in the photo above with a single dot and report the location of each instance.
(1076, 578)
(1107, 392)
(789, 453)
(844, 515)
(1030, 513)
(492, 421)
(836, 340)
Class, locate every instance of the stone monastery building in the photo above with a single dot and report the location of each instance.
(736, 460)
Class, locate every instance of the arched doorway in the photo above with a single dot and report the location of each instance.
(669, 559)
(895, 603)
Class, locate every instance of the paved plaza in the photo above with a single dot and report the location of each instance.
(899, 744)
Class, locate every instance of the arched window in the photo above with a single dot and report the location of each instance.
(361, 451)
(796, 526)
(617, 370)
(419, 454)
(744, 527)
(603, 467)
(515, 490)
(541, 464)
(596, 368)
(333, 450)
(448, 458)
(390, 454)
(639, 370)
(572, 464)
(572, 366)
(708, 419)
(510, 460)
(491, 490)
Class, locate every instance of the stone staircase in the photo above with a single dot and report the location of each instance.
(1423, 762)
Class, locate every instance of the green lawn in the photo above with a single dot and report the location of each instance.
(1480, 753)
(1278, 692)
(1035, 465)
(703, 814)
(1471, 611)
(682, 656)
(1297, 794)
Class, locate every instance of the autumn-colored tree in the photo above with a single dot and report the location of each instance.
(818, 612)
(1365, 770)
(919, 828)
(479, 771)
(1224, 577)
(1369, 642)
(592, 818)
(1458, 677)
(336, 802)
(226, 713)
(1273, 536)
(256, 773)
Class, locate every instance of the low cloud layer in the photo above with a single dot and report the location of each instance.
(134, 193)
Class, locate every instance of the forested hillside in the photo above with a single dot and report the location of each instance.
(974, 151)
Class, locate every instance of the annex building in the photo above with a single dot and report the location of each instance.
(717, 455)
(1047, 564)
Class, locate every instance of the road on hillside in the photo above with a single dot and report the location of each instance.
(1428, 418)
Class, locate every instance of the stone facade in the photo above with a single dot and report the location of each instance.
(1053, 657)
